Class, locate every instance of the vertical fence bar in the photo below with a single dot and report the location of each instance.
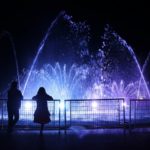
(119, 111)
(70, 112)
(54, 112)
(130, 115)
(124, 116)
(65, 116)
(59, 116)
(135, 113)
(2, 114)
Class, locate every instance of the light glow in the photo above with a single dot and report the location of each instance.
(94, 105)
(28, 106)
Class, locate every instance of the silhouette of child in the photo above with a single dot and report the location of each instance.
(41, 114)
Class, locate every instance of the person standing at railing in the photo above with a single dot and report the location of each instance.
(42, 114)
(13, 105)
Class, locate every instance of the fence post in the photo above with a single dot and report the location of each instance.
(2, 114)
(130, 116)
(124, 116)
(65, 115)
(54, 112)
(119, 110)
(70, 113)
(59, 116)
(135, 114)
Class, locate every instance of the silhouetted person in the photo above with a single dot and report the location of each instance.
(41, 114)
(13, 105)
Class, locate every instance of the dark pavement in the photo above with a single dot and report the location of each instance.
(76, 138)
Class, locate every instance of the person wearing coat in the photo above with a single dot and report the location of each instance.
(13, 105)
(42, 114)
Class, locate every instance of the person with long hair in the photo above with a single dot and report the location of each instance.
(42, 114)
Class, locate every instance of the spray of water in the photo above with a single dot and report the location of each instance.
(65, 84)
(146, 62)
(7, 34)
(137, 63)
(143, 69)
(140, 70)
(41, 46)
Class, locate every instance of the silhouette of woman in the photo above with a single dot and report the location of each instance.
(41, 114)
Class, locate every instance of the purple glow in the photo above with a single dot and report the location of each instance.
(106, 74)
(73, 71)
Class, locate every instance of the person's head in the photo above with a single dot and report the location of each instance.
(41, 91)
(14, 84)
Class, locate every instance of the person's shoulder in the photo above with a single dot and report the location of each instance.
(34, 97)
(49, 97)
(18, 90)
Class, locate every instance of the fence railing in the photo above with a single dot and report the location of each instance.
(90, 113)
(94, 113)
(26, 112)
(139, 112)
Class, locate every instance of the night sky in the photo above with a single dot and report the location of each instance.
(27, 21)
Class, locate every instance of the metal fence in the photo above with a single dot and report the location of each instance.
(90, 113)
(27, 114)
(139, 112)
(94, 113)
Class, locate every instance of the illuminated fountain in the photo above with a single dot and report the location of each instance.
(69, 69)
(62, 80)
(111, 72)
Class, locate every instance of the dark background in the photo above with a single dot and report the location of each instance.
(28, 20)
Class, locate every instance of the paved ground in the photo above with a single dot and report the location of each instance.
(76, 139)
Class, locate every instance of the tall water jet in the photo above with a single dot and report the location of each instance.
(41, 48)
(138, 65)
(112, 71)
(9, 36)
(143, 69)
(118, 57)
(146, 62)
